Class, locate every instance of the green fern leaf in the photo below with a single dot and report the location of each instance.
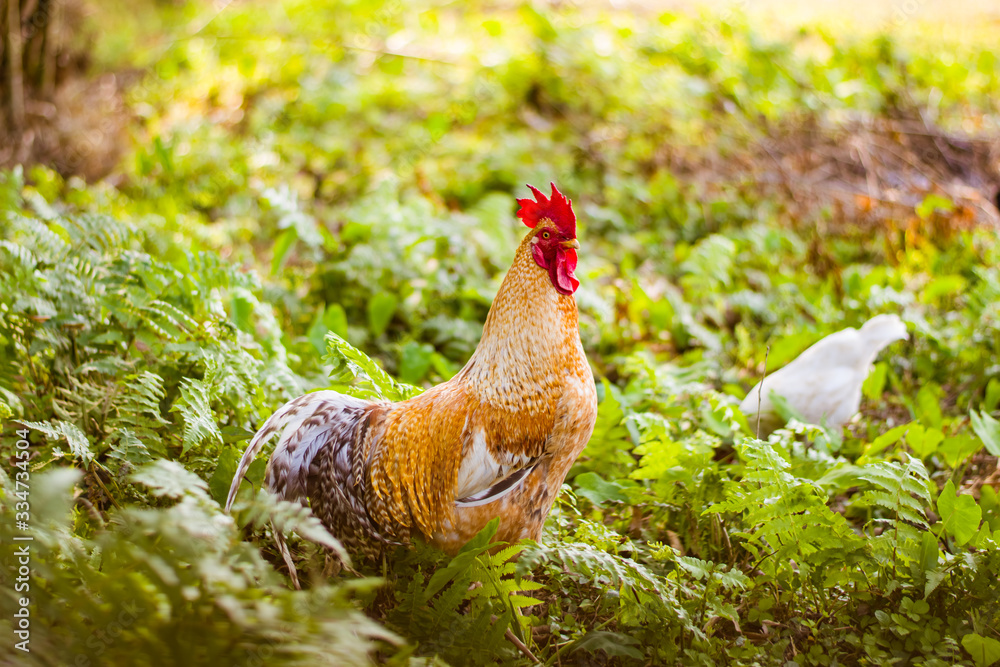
(57, 429)
(352, 365)
(196, 412)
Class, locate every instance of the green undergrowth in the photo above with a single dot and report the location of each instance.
(323, 198)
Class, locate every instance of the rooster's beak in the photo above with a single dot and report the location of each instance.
(572, 243)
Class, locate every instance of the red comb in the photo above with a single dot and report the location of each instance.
(556, 208)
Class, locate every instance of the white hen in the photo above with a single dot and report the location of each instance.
(824, 382)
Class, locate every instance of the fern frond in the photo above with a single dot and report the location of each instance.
(351, 365)
(195, 408)
(129, 448)
(46, 245)
(21, 254)
(137, 405)
(902, 489)
(606, 573)
(101, 233)
(787, 518)
(58, 429)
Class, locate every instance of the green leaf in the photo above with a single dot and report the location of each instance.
(610, 444)
(537, 22)
(959, 516)
(414, 361)
(332, 318)
(929, 551)
(335, 319)
(231, 434)
(992, 398)
(988, 430)
(287, 516)
(785, 409)
(934, 579)
(615, 644)
(984, 650)
(597, 490)
(381, 308)
(242, 308)
(482, 538)
(955, 449)
(465, 556)
(983, 537)
(890, 437)
(317, 332)
(898, 484)
(875, 382)
(225, 470)
(282, 246)
(923, 441)
(163, 156)
(697, 568)
(929, 405)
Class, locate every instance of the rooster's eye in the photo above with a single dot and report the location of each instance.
(546, 235)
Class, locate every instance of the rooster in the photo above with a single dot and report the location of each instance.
(494, 441)
(824, 382)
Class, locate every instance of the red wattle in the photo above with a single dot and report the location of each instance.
(565, 281)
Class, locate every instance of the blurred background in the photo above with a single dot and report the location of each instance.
(296, 135)
(194, 194)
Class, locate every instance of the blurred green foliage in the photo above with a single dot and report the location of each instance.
(309, 180)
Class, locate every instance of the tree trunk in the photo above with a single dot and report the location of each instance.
(41, 119)
(29, 46)
(14, 70)
(50, 49)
